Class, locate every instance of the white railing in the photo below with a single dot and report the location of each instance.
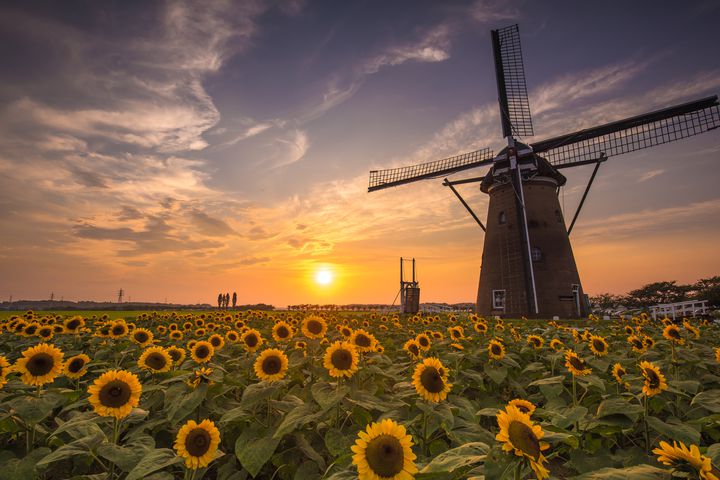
(691, 308)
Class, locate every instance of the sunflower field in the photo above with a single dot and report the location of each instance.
(296, 395)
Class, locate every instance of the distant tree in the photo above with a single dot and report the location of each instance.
(607, 301)
(707, 289)
(658, 292)
(234, 299)
(227, 300)
(220, 300)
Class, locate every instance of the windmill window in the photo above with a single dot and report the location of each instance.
(502, 218)
(498, 298)
(536, 254)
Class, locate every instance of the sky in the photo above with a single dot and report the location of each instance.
(179, 149)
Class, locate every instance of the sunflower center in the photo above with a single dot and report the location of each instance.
(362, 340)
(341, 359)
(141, 337)
(271, 365)
(638, 344)
(202, 351)
(40, 364)
(115, 394)
(215, 341)
(652, 378)
(414, 349)
(431, 379)
(174, 354)
(197, 442)
(495, 348)
(599, 345)
(674, 333)
(251, 340)
(314, 327)
(282, 332)
(75, 365)
(523, 438)
(423, 341)
(156, 361)
(119, 330)
(385, 455)
(73, 324)
(577, 363)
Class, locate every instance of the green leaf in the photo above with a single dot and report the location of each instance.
(126, 457)
(296, 418)
(337, 442)
(188, 403)
(453, 459)
(152, 462)
(592, 381)
(254, 447)
(709, 400)
(638, 472)
(80, 446)
(548, 381)
(618, 406)
(327, 395)
(674, 430)
(496, 374)
(32, 409)
(687, 386)
(258, 392)
(14, 469)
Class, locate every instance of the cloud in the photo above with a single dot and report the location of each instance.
(250, 132)
(651, 174)
(433, 46)
(210, 226)
(295, 146)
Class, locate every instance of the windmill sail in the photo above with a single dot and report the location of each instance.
(393, 177)
(512, 89)
(631, 134)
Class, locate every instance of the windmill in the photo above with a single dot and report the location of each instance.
(528, 267)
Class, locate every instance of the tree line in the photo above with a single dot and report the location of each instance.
(662, 292)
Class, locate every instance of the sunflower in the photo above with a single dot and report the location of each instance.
(115, 393)
(691, 328)
(363, 340)
(521, 436)
(45, 332)
(496, 350)
(314, 327)
(4, 370)
(201, 375)
(637, 344)
(176, 335)
(73, 324)
(576, 365)
(40, 364)
(142, 337)
(629, 330)
(384, 452)
(654, 379)
(681, 456)
(618, 371)
(118, 329)
(423, 340)
(197, 443)
(155, 359)
(598, 345)
(412, 347)
(202, 351)
(535, 341)
(282, 331)
(456, 332)
(648, 341)
(523, 405)
(76, 367)
(556, 344)
(200, 332)
(252, 339)
(271, 365)
(30, 329)
(341, 360)
(232, 336)
(430, 380)
(177, 354)
(480, 327)
(717, 354)
(217, 341)
(672, 333)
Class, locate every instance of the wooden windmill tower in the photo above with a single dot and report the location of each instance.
(528, 267)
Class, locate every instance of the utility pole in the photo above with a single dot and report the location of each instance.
(121, 293)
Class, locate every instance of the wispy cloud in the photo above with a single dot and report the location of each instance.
(651, 174)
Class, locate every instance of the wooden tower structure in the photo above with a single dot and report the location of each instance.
(528, 268)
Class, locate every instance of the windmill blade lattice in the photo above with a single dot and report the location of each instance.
(631, 134)
(510, 75)
(393, 177)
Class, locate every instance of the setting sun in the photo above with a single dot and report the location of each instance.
(323, 277)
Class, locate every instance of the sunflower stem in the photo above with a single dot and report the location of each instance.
(425, 422)
(647, 433)
(574, 392)
(518, 471)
